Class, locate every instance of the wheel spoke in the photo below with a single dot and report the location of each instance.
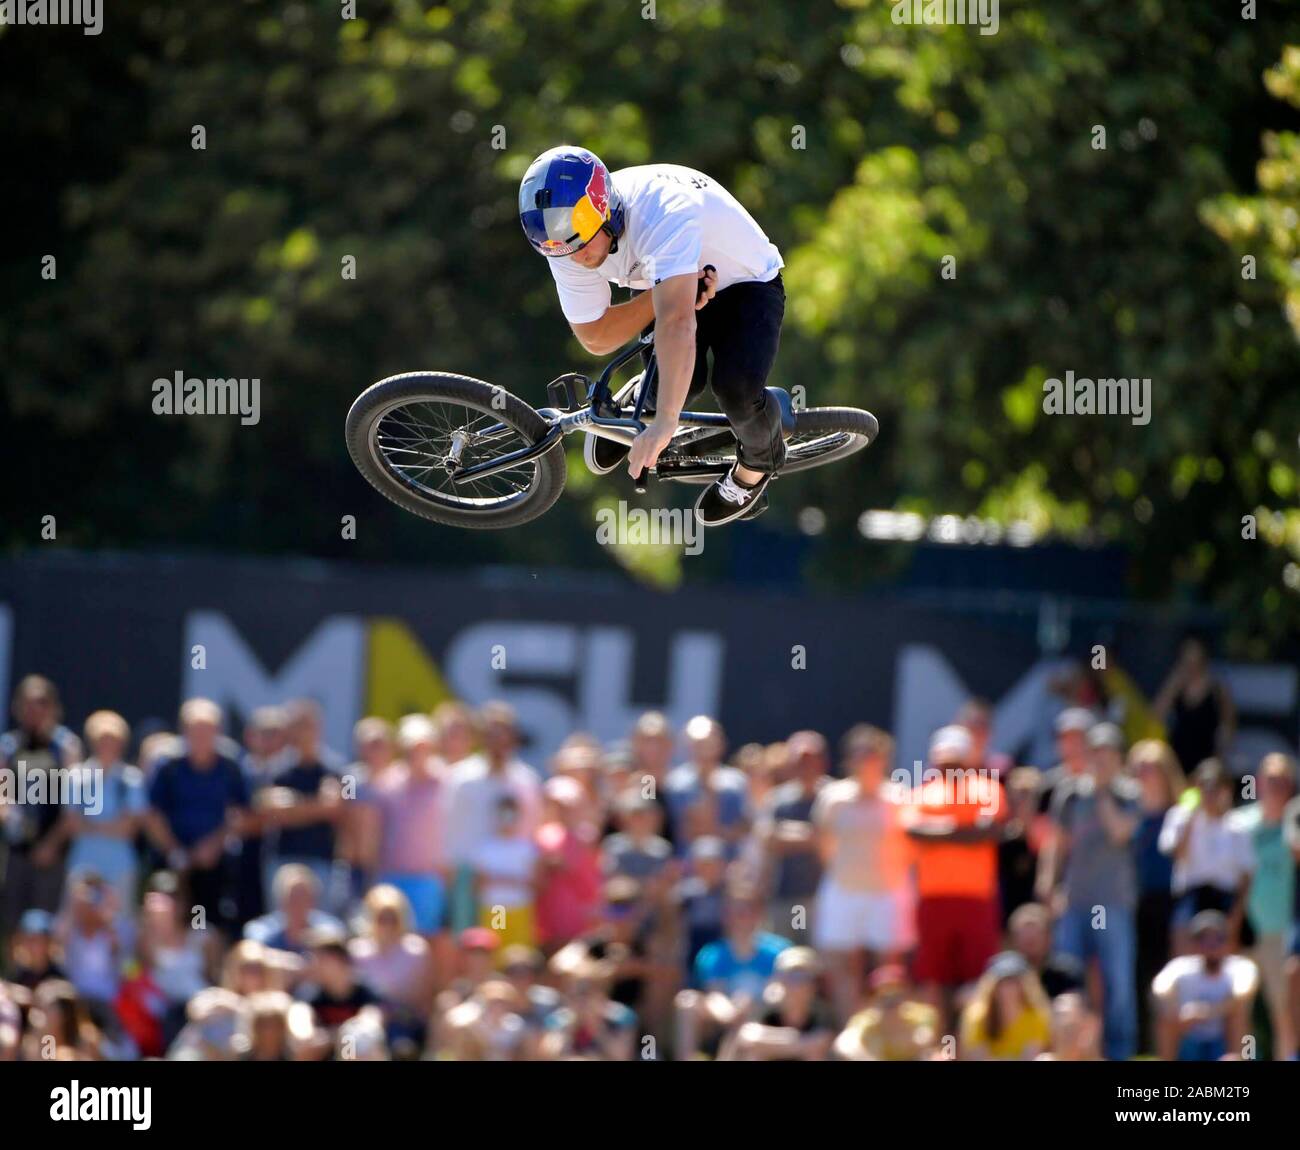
(412, 441)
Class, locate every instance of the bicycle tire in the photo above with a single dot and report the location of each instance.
(860, 426)
(382, 398)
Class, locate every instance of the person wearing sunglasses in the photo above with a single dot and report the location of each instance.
(1204, 998)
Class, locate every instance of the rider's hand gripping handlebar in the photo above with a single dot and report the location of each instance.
(639, 483)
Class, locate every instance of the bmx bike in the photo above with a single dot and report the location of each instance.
(467, 453)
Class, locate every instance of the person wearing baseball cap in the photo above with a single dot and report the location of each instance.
(1204, 998)
(1072, 726)
(1088, 863)
(952, 744)
(33, 950)
(1075, 719)
(955, 824)
(478, 940)
(476, 953)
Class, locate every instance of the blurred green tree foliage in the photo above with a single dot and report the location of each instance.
(871, 152)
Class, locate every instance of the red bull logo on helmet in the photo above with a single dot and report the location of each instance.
(592, 208)
(598, 189)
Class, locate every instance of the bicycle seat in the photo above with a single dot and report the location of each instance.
(786, 405)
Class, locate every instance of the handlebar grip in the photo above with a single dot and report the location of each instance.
(639, 483)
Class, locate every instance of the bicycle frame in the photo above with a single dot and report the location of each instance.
(591, 420)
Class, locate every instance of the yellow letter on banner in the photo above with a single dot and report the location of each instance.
(401, 677)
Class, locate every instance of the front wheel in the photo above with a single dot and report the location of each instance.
(408, 433)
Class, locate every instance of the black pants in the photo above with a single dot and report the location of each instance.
(741, 328)
(1155, 910)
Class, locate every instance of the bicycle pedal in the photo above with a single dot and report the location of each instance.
(562, 392)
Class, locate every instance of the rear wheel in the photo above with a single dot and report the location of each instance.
(406, 434)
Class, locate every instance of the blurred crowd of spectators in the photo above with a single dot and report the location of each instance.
(198, 897)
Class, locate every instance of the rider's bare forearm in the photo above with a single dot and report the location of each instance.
(675, 351)
(621, 323)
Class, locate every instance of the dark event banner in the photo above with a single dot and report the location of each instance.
(137, 634)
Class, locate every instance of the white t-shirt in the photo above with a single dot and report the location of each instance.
(1219, 851)
(471, 797)
(1185, 980)
(510, 863)
(676, 220)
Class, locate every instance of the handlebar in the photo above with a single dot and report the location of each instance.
(699, 290)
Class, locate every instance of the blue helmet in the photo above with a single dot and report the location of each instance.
(566, 197)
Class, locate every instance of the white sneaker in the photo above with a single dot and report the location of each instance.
(729, 499)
